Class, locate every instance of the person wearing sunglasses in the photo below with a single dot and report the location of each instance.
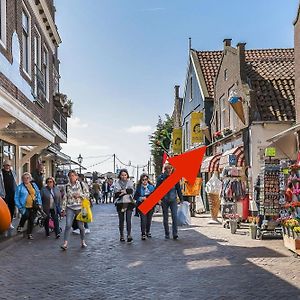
(28, 201)
(143, 190)
(51, 199)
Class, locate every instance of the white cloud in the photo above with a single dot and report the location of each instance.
(138, 129)
(75, 122)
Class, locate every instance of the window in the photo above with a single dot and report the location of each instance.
(3, 22)
(191, 88)
(225, 75)
(45, 70)
(38, 76)
(222, 112)
(26, 42)
(232, 116)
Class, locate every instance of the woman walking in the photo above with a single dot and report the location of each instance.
(75, 193)
(143, 190)
(51, 199)
(28, 200)
(124, 203)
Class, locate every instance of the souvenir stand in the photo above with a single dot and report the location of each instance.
(290, 213)
(271, 198)
(233, 189)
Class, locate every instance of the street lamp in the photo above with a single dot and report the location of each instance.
(80, 159)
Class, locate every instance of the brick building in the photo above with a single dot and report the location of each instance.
(33, 111)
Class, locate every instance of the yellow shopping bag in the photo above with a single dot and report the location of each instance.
(85, 215)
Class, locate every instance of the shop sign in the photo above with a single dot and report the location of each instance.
(177, 140)
(270, 152)
(232, 160)
(196, 132)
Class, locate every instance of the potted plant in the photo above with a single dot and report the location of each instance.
(227, 131)
(68, 108)
(218, 135)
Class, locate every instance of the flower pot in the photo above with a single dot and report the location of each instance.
(233, 226)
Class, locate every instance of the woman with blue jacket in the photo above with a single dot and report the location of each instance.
(143, 190)
(27, 198)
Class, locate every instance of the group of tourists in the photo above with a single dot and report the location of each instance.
(48, 200)
(103, 193)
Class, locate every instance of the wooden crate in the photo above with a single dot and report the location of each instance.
(291, 243)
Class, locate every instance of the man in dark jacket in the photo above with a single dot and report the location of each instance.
(169, 201)
(8, 186)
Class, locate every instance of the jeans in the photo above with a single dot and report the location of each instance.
(75, 225)
(9, 199)
(71, 214)
(29, 215)
(128, 213)
(146, 221)
(165, 207)
(54, 217)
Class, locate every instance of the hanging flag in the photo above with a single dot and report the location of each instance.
(196, 131)
(177, 140)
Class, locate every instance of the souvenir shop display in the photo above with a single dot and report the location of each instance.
(213, 188)
(271, 198)
(290, 214)
(233, 189)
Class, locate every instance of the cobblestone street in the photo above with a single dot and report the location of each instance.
(205, 263)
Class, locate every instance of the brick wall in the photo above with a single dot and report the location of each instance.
(297, 69)
(14, 24)
(233, 69)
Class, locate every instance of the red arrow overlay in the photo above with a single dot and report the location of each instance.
(186, 165)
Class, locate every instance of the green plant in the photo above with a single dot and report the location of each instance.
(160, 141)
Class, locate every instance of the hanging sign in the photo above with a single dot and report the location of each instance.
(177, 140)
(270, 152)
(196, 132)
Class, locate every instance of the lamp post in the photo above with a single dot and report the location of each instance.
(80, 159)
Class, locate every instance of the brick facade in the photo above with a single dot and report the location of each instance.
(14, 24)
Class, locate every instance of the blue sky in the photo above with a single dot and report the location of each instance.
(120, 60)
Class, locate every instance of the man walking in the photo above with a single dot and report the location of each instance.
(169, 201)
(8, 186)
(105, 191)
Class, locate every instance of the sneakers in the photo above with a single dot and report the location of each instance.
(122, 239)
(57, 236)
(19, 229)
(175, 237)
(76, 231)
(149, 236)
(167, 237)
(87, 230)
(30, 237)
(143, 237)
(129, 239)
(11, 226)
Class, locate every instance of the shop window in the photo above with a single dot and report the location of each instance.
(26, 24)
(3, 22)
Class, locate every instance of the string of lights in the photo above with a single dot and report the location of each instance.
(99, 163)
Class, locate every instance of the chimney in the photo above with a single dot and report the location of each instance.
(176, 89)
(227, 42)
(242, 59)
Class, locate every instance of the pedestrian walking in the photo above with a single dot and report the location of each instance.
(110, 190)
(105, 191)
(96, 191)
(123, 198)
(76, 191)
(51, 201)
(8, 185)
(28, 201)
(170, 201)
(143, 190)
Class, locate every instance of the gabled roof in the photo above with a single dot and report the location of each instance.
(271, 76)
(209, 62)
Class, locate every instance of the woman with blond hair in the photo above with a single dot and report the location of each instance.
(28, 200)
(76, 191)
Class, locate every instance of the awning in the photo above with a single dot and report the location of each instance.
(284, 133)
(239, 155)
(210, 164)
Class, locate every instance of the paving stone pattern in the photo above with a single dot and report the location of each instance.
(207, 262)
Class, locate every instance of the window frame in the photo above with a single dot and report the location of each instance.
(37, 44)
(46, 71)
(3, 24)
(222, 112)
(29, 55)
